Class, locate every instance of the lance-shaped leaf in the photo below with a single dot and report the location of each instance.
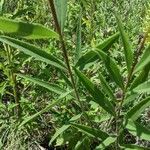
(135, 112)
(106, 87)
(127, 45)
(78, 37)
(112, 68)
(26, 30)
(90, 56)
(97, 95)
(106, 143)
(2, 2)
(33, 51)
(93, 132)
(61, 9)
(137, 129)
(63, 128)
(106, 45)
(59, 132)
(143, 88)
(84, 143)
(142, 77)
(130, 98)
(134, 147)
(66, 79)
(145, 59)
(52, 87)
(47, 108)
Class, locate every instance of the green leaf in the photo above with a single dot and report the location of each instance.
(145, 59)
(61, 10)
(66, 79)
(3, 86)
(99, 119)
(93, 132)
(78, 36)
(98, 96)
(58, 132)
(106, 45)
(143, 88)
(135, 112)
(30, 118)
(127, 45)
(2, 2)
(26, 30)
(106, 143)
(21, 12)
(90, 56)
(138, 130)
(63, 128)
(130, 98)
(142, 77)
(112, 68)
(52, 87)
(106, 87)
(33, 51)
(47, 108)
(74, 118)
(83, 144)
(133, 147)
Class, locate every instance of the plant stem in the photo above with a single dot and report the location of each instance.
(12, 78)
(65, 54)
(15, 91)
(64, 50)
(138, 53)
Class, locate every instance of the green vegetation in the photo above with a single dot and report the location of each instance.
(74, 75)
